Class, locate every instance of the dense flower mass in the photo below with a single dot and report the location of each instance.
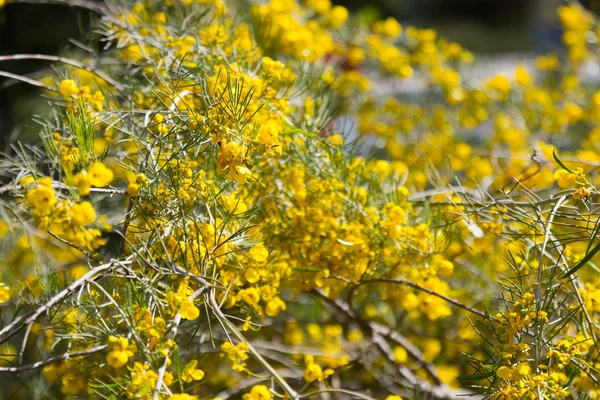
(229, 204)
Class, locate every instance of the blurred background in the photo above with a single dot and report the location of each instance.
(493, 30)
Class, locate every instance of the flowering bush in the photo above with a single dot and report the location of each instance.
(229, 201)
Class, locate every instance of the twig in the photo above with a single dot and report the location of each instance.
(54, 359)
(28, 318)
(282, 382)
(32, 82)
(96, 7)
(63, 60)
(538, 289)
(380, 332)
(172, 334)
(412, 285)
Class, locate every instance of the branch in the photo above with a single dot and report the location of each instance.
(32, 82)
(284, 385)
(28, 318)
(379, 333)
(412, 285)
(172, 334)
(93, 6)
(51, 360)
(63, 60)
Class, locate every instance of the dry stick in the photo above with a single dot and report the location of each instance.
(379, 333)
(225, 322)
(32, 316)
(96, 7)
(538, 288)
(54, 359)
(71, 245)
(172, 334)
(588, 373)
(63, 60)
(34, 75)
(284, 385)
(60, 185)
(412, 285)
(32, 82)
(574, 283)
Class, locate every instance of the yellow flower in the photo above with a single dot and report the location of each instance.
(336, 139)
(4, 293)
(236, 355)
(119, 352)
(312, 372)
(337, 16)
(182, 396)
(250, 296)
(258, 392)
(133, 189)
(521, 371)
(504, 373)
(252, 275)
(188, 310)
(190, 373)
(393, 397)
(390, 27)
(116, 359)
(274, 307)
(99, 175)
(68, 87)
(581, 193)
(565, 179)
(258, 253)
(522, 76)
(83, 183)
(82, 213)
(400, 355)
(42, 199)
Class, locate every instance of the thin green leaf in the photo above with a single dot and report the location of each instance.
(583, 261)
(560, 162)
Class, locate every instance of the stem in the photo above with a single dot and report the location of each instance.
(54, 359)
(63, 60)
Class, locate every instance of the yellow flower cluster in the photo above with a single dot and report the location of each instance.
(224, 164)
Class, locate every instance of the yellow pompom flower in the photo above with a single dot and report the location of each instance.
(393, 397)
(258, 392)
(133, 189)
(188, 310)
(390, 27)
(259, 253)
(400, 355)
(68, 87)
(99, 175)
(82, 213)
(504, 373)
(337, 16)
(4, 293)
(119, 352)
(42, 199)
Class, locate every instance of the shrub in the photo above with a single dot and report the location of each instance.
(240, 200)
